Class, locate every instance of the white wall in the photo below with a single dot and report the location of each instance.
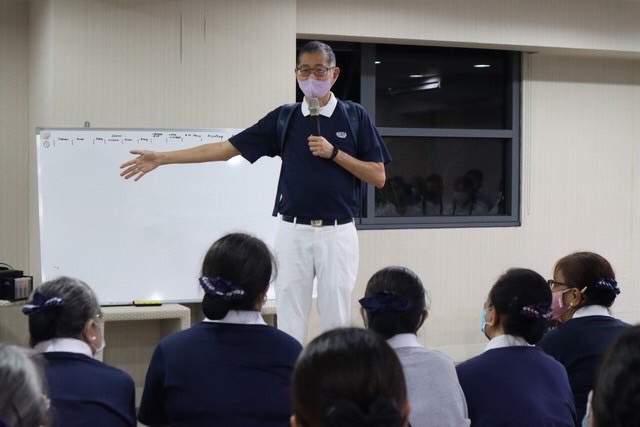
(168, 63)
(152, 64)
(609, 27)
(14, 138)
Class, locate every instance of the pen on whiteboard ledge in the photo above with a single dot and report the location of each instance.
(147, 303)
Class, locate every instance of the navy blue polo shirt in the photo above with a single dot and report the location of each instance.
(310, 186)
(220, 374)
(87, 392)
(579, 345)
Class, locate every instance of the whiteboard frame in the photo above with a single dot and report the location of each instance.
(240, 214)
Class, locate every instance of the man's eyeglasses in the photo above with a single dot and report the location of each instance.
(318, 71)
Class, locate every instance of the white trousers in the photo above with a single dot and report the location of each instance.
(328, 253)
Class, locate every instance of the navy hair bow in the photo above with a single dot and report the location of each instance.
(385, 301)
(536, 311)
(41, 303)
(607, 283)
(219, 288)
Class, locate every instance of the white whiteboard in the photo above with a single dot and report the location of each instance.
(143, 240)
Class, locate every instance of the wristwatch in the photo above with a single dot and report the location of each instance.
(335, 152)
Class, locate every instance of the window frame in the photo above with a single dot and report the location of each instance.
(512, 157)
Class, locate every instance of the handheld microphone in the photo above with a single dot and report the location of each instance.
(314, 116)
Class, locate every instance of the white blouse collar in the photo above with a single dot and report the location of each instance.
(242, 317)
(502, 341)
(404, 340)
(591, 310)
(69, 345)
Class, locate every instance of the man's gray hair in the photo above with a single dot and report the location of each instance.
(317, 46)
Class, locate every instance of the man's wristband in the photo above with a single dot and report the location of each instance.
(335, 152)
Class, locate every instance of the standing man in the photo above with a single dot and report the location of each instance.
(318, 191)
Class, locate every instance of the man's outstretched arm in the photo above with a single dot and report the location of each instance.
(148, 160)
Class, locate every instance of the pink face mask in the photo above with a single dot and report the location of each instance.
(313, 88)
(557, 307)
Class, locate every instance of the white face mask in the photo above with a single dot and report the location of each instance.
(313, 88)
(103, 343)
(484, 323)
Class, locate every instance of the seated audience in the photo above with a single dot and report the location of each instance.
(65, 325)
(616, 393)
(398, 199)
(464, 200)
(395, 307)
(477, 179)
(231, 369)
(514, 383)
(22, 394)
(584, 287)
(349, 377)
(500, 205)
(433, 200)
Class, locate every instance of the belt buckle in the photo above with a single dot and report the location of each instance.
(316, 223)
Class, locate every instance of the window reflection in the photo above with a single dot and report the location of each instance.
(443, 177)
(419, 86)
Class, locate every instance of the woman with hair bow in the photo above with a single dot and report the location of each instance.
(514, 383)
(66, 326)
(584, 287)
(395, 307)
(231, 369)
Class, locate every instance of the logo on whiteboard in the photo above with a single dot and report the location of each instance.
(342, 135)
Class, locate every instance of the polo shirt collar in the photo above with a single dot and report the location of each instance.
(243, 317)
(326, 111)
(502, 341)
(69, 345)
(591, 310)
(403, 340)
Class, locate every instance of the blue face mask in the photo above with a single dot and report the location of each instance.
(483, 320)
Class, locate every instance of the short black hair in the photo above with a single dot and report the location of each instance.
(513, 291)
(348, 370)
(465, 181)
(616, 391)
(404, 283)
(318, 46)
(245, 261)
(436, 179)
(475, 174)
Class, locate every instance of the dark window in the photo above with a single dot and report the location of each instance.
(423, 87)
(451, 120)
